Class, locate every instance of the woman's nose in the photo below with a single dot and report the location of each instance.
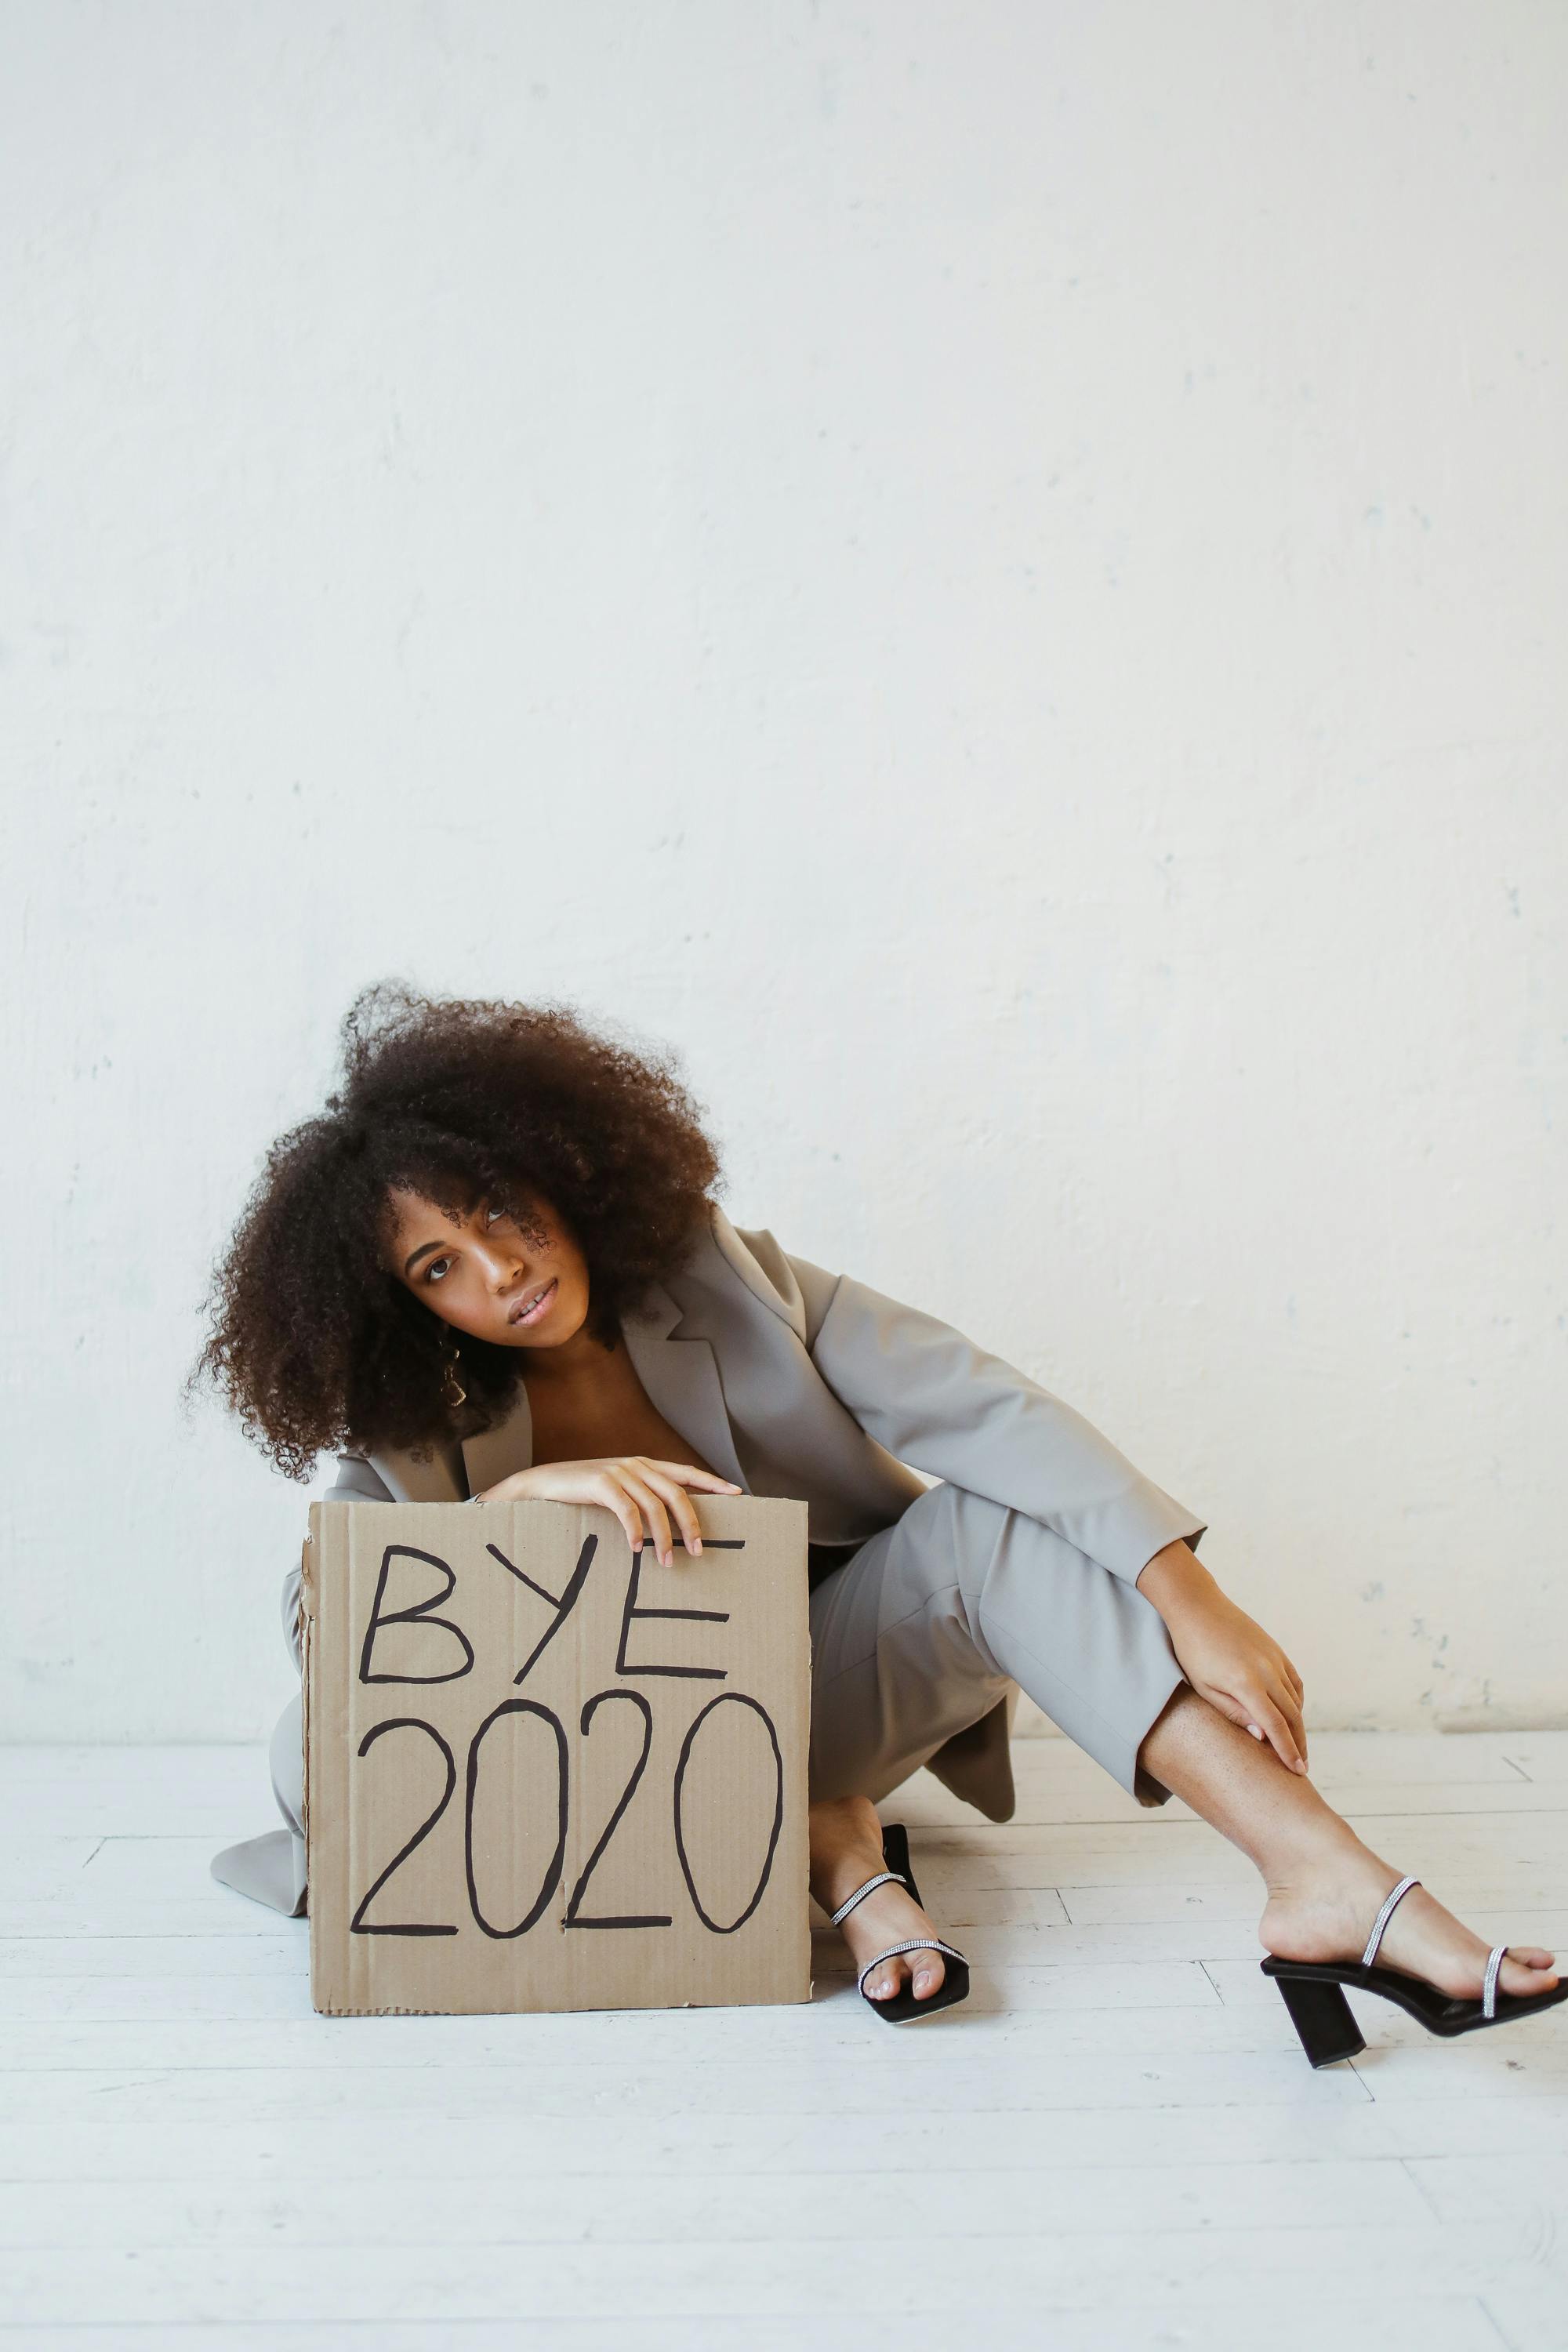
(501, 1266)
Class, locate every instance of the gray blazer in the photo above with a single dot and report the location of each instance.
(792, 1381)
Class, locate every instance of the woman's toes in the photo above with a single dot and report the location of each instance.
(925, 1976)
(928, 1974)
(1527, 1970)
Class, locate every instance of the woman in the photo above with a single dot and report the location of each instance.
(492, 1269)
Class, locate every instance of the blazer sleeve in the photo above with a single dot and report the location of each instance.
(942, 1405)
(356, 1482)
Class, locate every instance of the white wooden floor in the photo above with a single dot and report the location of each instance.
(1115, 2144)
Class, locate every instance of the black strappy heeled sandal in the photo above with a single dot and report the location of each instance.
(1313, 1991)
(903, 2009)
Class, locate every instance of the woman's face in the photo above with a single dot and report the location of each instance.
(483, 1275)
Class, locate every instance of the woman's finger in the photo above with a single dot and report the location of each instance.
(689, 1475)
(1234, 1709)
(653, 1510)
(1277, 1731)
(681, 1504)
(619, 1503)
(1290, 1708)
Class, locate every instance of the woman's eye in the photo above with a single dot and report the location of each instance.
(437, 1268)
(494, 1216)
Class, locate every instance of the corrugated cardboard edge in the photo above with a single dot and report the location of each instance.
(307, 1575)
(310, 1607)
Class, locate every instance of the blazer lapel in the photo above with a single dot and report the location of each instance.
(681, 1378)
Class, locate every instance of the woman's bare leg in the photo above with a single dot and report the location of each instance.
(846, 1850)
(1324, 1885)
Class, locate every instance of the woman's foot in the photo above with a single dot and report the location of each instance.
(1325, 1912)
(846, 1850)
(1325, 1888)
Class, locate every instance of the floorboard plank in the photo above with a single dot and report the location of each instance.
(1029, 2276)
(670, 2210)
(1363, 2324)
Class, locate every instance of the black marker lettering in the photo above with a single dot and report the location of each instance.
(557, 1860)
(572, 1919)
(698, 1616)
(562, 1608)
(359, 1924)
(730, 1698)
(419, 1614)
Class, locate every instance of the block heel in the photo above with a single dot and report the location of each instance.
(1322, 2017)
(1313, 1993)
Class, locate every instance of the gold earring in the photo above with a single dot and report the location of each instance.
(452, 1388)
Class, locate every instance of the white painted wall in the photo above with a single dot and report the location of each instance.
(993, 571)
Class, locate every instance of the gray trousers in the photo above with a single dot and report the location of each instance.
(922, 1633)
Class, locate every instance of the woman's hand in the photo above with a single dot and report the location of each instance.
(631, 1485)
(1229, 1659)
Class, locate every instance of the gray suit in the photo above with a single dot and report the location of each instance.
(932, 1605)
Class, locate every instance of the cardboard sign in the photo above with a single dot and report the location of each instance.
(543, 1774)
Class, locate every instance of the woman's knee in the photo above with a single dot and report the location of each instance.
(951, 1529)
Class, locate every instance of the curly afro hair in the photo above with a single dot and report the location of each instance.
(313, 1343)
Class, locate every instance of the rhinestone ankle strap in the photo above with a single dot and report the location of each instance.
(1382, 1918)
(884, 1878)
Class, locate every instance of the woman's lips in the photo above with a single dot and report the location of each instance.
(540, 1307)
